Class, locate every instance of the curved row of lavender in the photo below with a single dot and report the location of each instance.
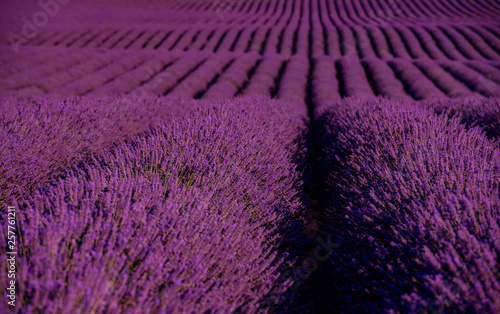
(187, 218)
(412, 199)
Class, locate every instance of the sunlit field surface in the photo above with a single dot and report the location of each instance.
(303, 156)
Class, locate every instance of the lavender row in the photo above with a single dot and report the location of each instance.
(130, 80)
(289, 26)
(428, 43)
(153, 225)
(383, 78)
(293, 83)
(396, 44)
(487, 70)
(302, 33)
(264, 79)
(445, 44)
(380, 43)
(415, 82)
(412, 202)
(168, 77)
(324, 82)
(442, 79)
(462, 43)
(273, 41)
(353, 78)
(199, 80)
(317, 30)
(25, 62)
(288, 37)
(490, 38)
(232, 80)
(87, 83)
(55, 81)
(416, 48)
(191, 74)
(481, 45)
(471, 78)
(46, 69)
(364, 43)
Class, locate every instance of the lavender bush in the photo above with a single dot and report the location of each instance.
(155, 225)
(412, 199)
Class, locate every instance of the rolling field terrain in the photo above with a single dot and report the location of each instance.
(221, 49)
(189, 156)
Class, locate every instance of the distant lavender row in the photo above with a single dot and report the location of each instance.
(279, 26)
(413, 200)
(232, 80)
(293, 83)
(184, 219)
(41, 136)
(202, 74)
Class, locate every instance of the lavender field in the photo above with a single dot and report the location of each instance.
(255, 156)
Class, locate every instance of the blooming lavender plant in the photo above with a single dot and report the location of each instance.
(185, 218)
(412, 199)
